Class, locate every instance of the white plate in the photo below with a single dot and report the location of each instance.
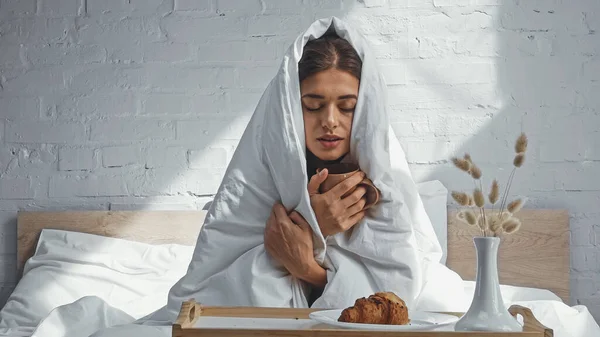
(419, 320)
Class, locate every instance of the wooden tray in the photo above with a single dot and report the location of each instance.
(299, 326)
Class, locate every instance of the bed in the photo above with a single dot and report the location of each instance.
(128, 260)
(538, 257)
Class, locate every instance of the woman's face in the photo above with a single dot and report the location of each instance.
(328, 101)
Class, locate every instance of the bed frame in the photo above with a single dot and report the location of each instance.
(537, 256)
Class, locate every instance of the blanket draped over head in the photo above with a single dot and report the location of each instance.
(387, 251)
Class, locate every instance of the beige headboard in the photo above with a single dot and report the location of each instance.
(538, 256)
(155, 227)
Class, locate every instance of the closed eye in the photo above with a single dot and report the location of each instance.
(313, 109)
(347, 106)
(321, 107)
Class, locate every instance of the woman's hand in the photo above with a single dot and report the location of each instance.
(288, 239)
(334, 213)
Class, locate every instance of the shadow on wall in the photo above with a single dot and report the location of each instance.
(543, 55)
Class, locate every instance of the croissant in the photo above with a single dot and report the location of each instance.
(379, 308)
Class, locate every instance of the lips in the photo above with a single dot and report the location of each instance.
(329, 138)
(330, 141)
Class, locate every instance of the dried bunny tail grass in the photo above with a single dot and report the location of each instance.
(494, 192)
(461, 198)
(495, 224)
(462, 164)
(521, 143)
(504, 216)
(511, 225)
(470, 217)
(519, 160)
(462, 217)
(475, 171)
(467, 157)
(515, 206)
(478, 198)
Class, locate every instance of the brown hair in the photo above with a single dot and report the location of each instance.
(329, 51)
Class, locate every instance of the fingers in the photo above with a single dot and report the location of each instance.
(280, 216)
(299, 220)
(280, 212)
(272, 223)
(284, 221)
(270, 232)
(316, 181)
(357, 207)
(354, 197)
(346, 185)
(354, 219)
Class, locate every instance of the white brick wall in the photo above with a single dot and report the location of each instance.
(140, 104)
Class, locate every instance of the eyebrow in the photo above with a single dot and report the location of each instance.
(323, 97)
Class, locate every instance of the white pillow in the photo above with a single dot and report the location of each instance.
(435, 197)
(131, 276)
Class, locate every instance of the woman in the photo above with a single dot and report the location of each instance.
(269, 238)
(329, 75)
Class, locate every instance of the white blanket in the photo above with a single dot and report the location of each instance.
(390, 250)
(393, 249)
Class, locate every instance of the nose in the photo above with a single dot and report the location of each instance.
(329, 119)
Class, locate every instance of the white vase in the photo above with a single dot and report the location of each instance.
(487, 311)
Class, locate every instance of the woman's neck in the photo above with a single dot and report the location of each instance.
(313, 163)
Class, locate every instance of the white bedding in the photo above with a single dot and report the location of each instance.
(89, 314)
(130, 279)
